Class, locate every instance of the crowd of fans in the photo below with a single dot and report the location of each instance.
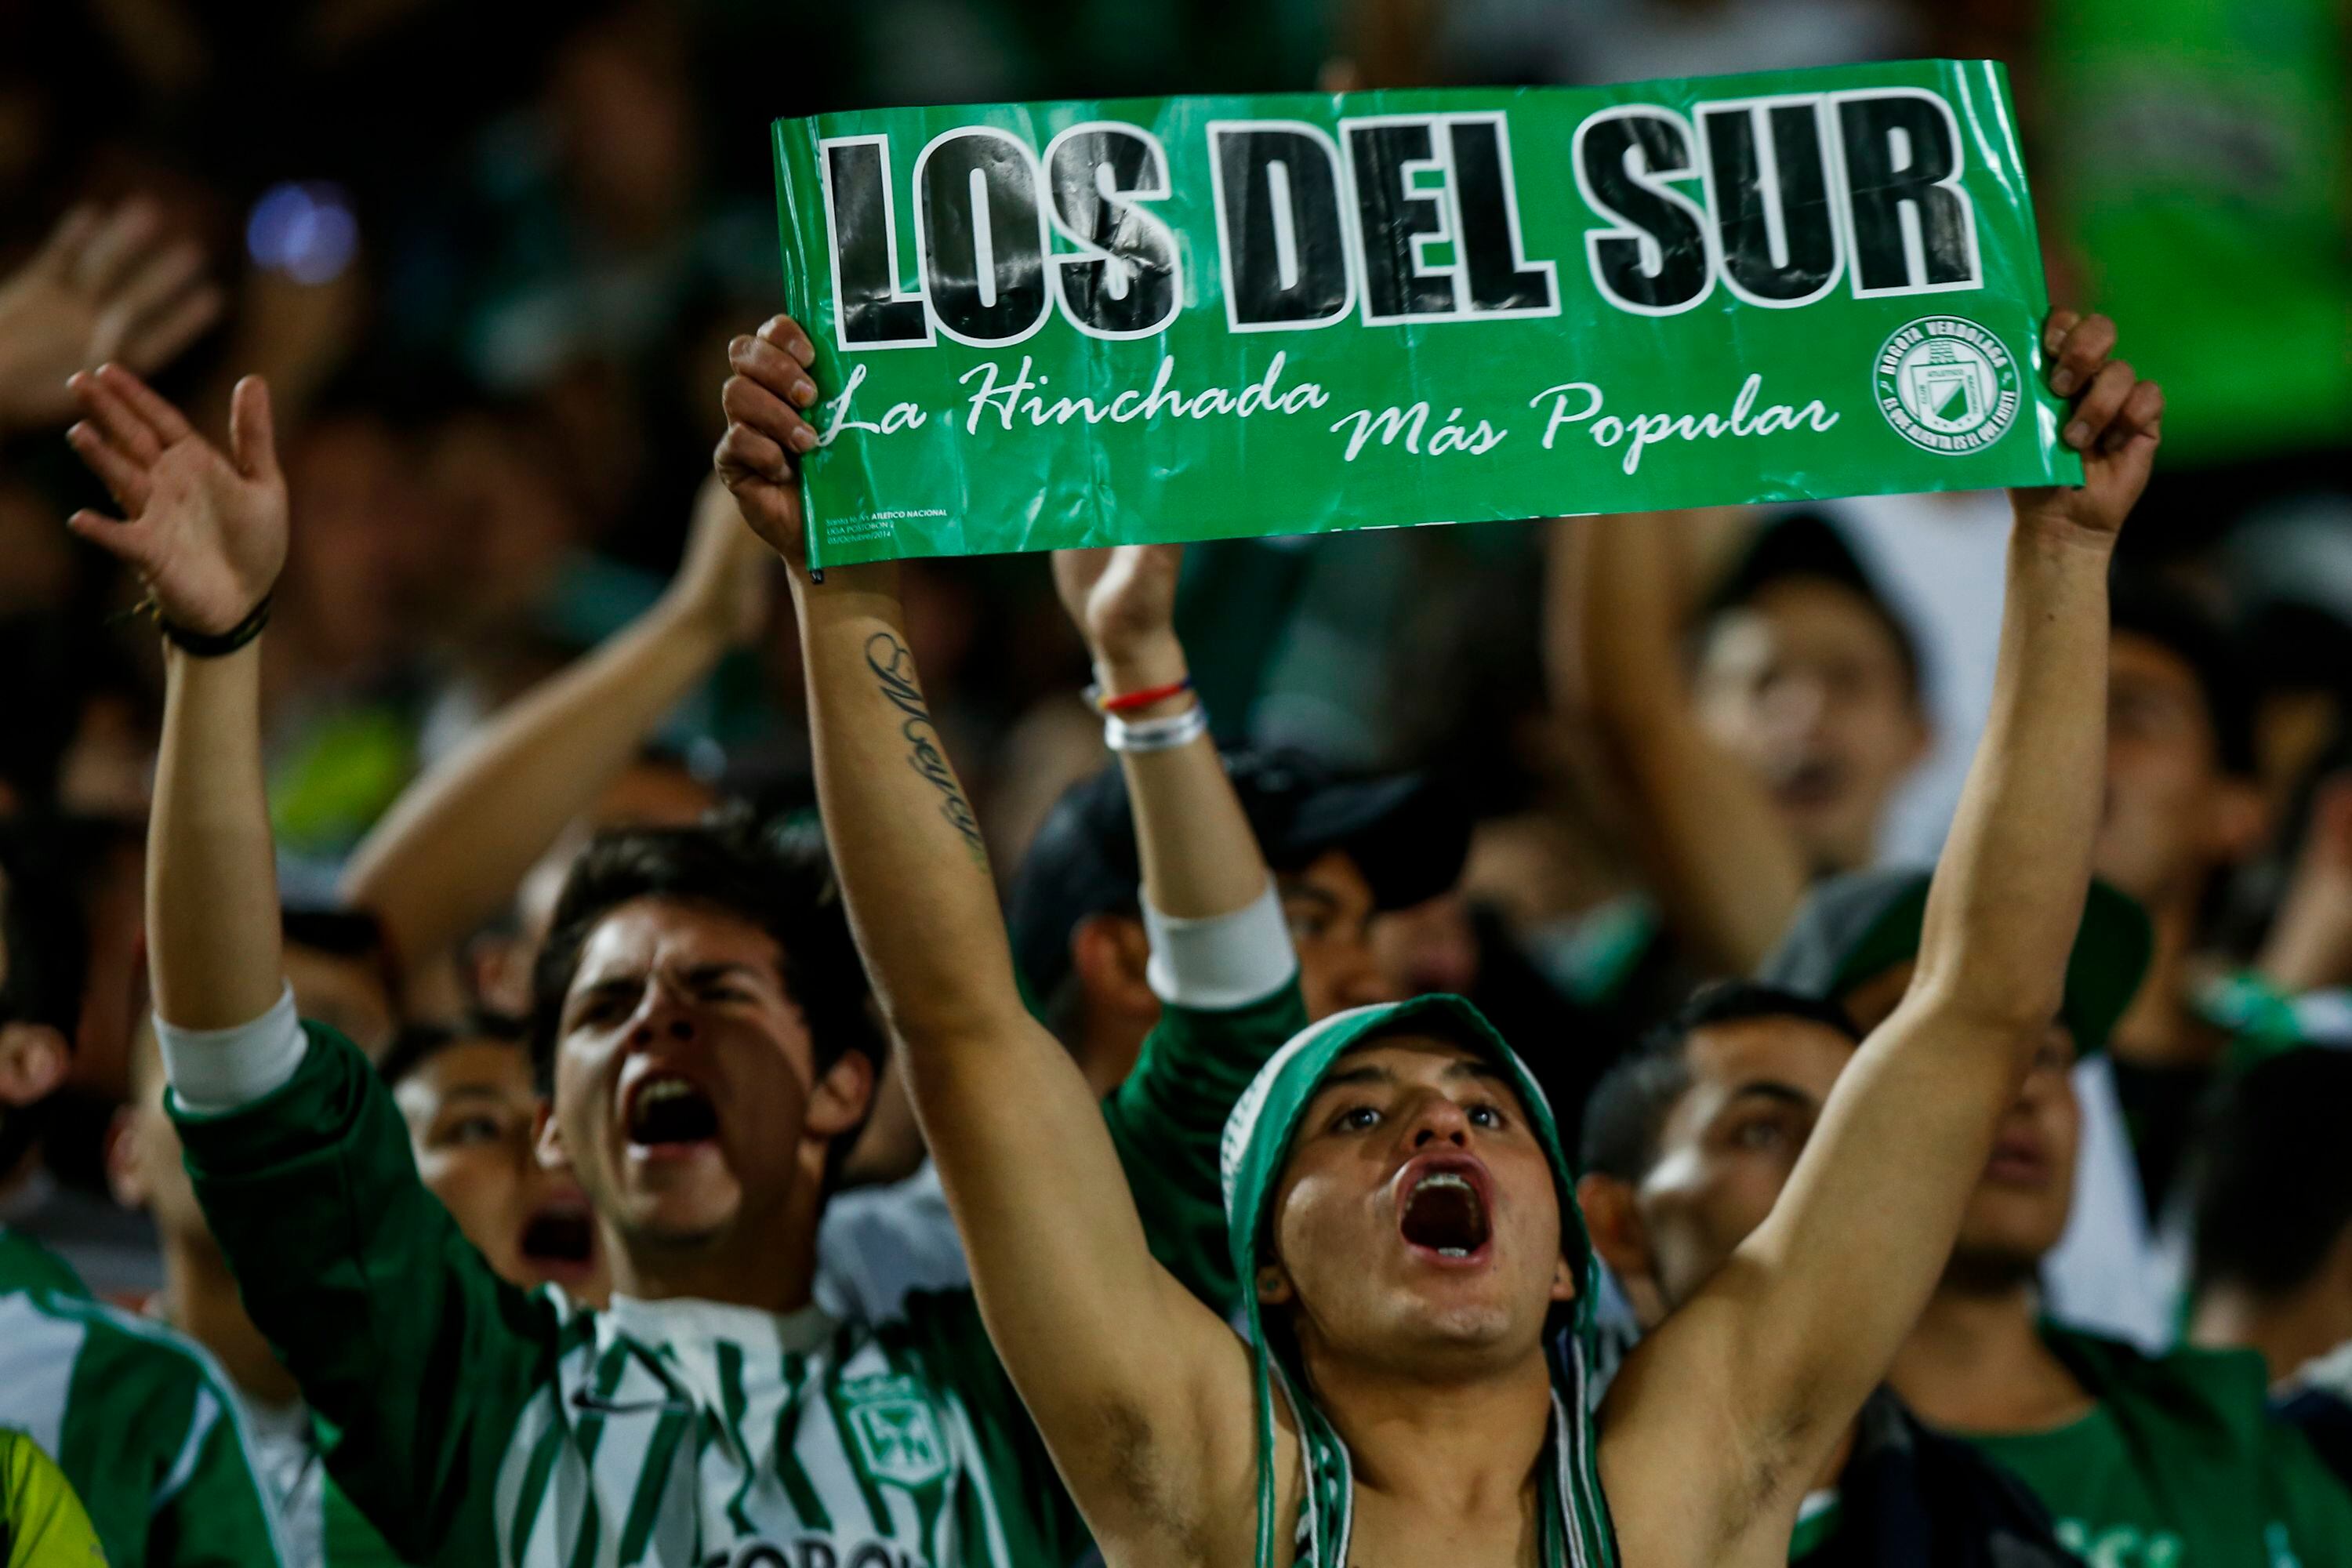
(1681, 804)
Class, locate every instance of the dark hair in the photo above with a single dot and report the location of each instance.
(2275, 1191)
(416, 1043)
(345, 933)
(1807, 546)
(352, 935)
(2147, 607)
(1628, 1109)
(779, 879)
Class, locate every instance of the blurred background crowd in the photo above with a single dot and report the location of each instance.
(488, 257)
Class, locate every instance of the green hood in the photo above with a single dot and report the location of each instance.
(1256, 1145)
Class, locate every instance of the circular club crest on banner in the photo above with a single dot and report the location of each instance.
(1946, 384)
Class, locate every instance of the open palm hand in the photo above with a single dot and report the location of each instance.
(204, 530)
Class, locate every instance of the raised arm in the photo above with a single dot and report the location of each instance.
(1222, 960)
(206, 534)
(106, 284)
(351, 1266)
(460, 841)
(1200, 858)
(1143, 1395)
(2309, 947)
(1724, 865)
(1779, 1350)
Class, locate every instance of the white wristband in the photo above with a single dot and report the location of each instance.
(1155, 734)
(1221, 961)
(214, 1071)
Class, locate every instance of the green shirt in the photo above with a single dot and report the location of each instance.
(1194, 1066)
(2178, 1466)
(482, 1425)
(42, 1524)
(319, 1527)
(145, 1427)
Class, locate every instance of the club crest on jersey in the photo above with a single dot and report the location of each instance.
(895, 1434)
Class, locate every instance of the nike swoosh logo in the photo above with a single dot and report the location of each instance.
(583, 1400)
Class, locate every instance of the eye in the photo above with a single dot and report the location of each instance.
(1356, 1118)
(1305, 926)
(605, 1007)
(469, 1130)
(1488, 1116)
(1764, 1133)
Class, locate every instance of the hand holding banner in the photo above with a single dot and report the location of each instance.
(1160, 320)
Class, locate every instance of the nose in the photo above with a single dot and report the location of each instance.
(1798, 701)
(1437, 1120)
(662, 1015)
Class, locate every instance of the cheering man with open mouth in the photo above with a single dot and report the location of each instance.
(700, 1029)
(1394, 1186)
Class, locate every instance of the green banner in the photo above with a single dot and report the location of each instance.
(1063, 325)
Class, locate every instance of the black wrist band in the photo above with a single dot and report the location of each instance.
(213, 644)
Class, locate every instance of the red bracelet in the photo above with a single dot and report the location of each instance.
(1129, 701)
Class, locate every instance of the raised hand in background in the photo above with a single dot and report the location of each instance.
(107, 284)
(1122, 599)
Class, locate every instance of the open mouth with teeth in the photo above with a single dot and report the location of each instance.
(1445, 1213)
(560, 1240)
(669, 1111)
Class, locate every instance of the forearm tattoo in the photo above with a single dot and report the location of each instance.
(894, 673)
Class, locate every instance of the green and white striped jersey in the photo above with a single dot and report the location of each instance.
(141, 1421)
(694, 1433)
(317, 1524)
(480, 1424)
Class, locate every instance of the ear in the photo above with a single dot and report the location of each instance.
(33, 1061)
(547, 1139)
(2240, 820)
(123, 1177)
(1274, 1286)
(1615, 1222)
(841, 1097)
(1563, 1280)
(1108, 954)
(500, 971)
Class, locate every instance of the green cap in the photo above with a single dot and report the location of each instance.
(1251, 1157)
(1854, 927)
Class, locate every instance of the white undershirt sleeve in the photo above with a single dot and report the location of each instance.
(214, 1071)
(1223, 961)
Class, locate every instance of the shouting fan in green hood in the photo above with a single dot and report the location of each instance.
(1396, 1194)
(1457, 1213)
